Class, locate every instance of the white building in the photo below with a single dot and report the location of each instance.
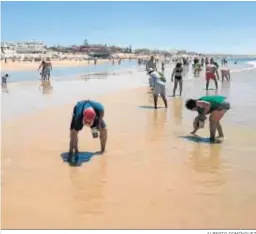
(25, 47)
(8, 50)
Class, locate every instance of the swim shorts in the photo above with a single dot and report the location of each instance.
(223, 106)
(210, 76)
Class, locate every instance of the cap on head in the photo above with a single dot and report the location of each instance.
(89, 115)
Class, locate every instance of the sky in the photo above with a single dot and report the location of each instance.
(206, 27)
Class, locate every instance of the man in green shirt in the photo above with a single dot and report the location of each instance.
(216, 107)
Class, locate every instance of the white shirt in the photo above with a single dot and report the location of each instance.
(155, 76)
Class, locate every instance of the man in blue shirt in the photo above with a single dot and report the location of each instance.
(89, 113)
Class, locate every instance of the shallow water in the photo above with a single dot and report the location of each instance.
(64, 73)
(153, 175)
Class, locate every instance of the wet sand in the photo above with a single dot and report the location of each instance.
(153, 174)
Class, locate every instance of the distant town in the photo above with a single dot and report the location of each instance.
(36, 48)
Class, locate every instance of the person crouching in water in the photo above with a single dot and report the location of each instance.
(211, 73)
(216, 107)
(88, 113)
(158, 84)
(177, 74)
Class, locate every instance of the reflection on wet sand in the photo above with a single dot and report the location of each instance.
(46, 87)
(177, 109)
(156, 124)
(206, 158)
(5, 90)
(87, 189)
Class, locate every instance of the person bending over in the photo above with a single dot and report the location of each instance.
(216, 107)
(87, 113)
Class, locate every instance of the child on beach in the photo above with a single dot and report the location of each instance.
(88, 113)
(177, 74)
(216, 107)
(4, 81)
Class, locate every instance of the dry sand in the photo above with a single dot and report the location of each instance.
(149, 177)
(26, 66)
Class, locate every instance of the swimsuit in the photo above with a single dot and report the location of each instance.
(178, 73)
(209, 76)
(210, 72)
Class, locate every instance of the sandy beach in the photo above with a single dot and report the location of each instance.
(157, 171)
(28, 66)
(151, 176)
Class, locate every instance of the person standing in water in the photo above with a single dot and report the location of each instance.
(159, 87)
(225, 72)
(177, 74)
(216, 107)
(211, 73)
(46, 70)
(162, 68)
(4, 81)
(151, 64)
(87, 113)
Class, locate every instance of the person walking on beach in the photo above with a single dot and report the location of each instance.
(216, 107)
(159, 87)
(151, 64)
(225, 72)
(177, 74)
(46, 70)
(4, 81)
(162, 68)
(211, 73)
(87, 113)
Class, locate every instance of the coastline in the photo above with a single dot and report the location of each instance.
(30, 66)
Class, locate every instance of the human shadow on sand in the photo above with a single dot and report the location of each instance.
(150, 107)
(83, 157)
(198, 139)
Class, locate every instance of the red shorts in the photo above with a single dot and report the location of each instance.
(210, 76)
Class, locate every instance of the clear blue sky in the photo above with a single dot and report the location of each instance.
(195, 26)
